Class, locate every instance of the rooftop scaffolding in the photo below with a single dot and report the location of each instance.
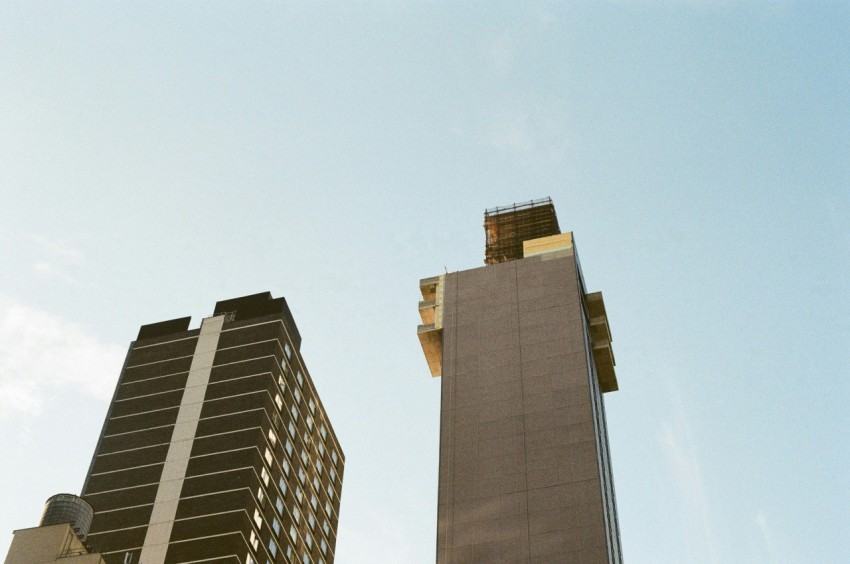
(507, 227)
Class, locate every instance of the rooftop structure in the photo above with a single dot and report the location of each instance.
(60, 536)
(508, 226)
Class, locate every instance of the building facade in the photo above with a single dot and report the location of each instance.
(216, 447)
(525, 357)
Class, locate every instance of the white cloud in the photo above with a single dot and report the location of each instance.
(544, 17)
(42, 355)
(512, 134)
(356, 543)
(529, 129)
(764, 527)
(500, 52)
(761, 521)
(49, 270)
(56, 248)
(57, 259)
(678, 444)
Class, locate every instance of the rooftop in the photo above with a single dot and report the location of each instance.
(507, 227)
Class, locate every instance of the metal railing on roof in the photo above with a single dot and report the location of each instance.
(518, 206)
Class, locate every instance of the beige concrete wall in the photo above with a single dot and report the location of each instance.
(48, 544)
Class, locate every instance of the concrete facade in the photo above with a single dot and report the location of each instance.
(48, 544)
(525, 473)
(216, 446)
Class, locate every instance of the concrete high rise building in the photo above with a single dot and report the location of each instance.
(216, 447)
(525, 356)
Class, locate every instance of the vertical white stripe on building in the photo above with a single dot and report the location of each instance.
(177, 459)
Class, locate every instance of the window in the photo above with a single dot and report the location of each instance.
(293, 532)
(272, 438)
(249, 559)
(311, 521)
(296, 514)
(261, 496)
(299, 495)
(330, 492)
(272, 548)
(325, 527)
(275, 526)
(299, 378)
(264, 476)
(314, 502)
(279, 505)
(323, 431)
(321, 449)
(297, 394)
(315, 483)
(303, 458)
(319, 466)
(302, 475)
(255, 542)
(287, 350)
(312, 405)
(309, 422)
(279, 401)
(307, 438)
(305, 559)
(288, 447)
(258, 519)
(281, 384)
(282, 484)
(309, 540)
(294, 413)
(292, 429)
(324, 546)
(268, 456)
(284, 463)
(328, 507)
(334, 457)
(332, 474)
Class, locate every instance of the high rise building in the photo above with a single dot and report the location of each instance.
(216, 447)
(525, 356)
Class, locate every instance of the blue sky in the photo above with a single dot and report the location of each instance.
(156, 157)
